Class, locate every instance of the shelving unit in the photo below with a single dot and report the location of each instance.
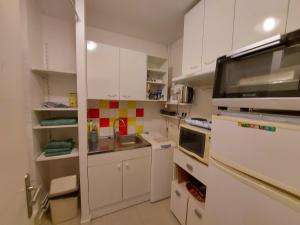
(43, 158)
(157, 77)
(39, 127)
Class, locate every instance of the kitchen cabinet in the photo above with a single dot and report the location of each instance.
(133, 75)
(293, 21)
(194, 213)
(257, 20)
(103, 72)
(218, 31)
(105, 184)
(136, 177)
(192, 40)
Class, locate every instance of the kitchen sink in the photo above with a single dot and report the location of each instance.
(129, 140)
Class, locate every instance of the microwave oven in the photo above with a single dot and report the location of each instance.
(195, 141)
(264, 75)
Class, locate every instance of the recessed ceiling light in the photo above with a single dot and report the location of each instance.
(269, 24)
(91, 45)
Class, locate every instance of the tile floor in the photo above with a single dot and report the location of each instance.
(143, 214)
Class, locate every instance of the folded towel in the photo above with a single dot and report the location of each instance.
(49, 154)
(54, 105)
(68, 143)
(55, 150)
(58, 121)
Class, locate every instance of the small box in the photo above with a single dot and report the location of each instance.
(63, 198)
(73, 100)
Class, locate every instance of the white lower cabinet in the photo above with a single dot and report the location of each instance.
(194, 213)
(105, 184)
(136, 177)
(179, 201)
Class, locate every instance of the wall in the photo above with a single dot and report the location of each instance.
(124, 41)
(202, 105)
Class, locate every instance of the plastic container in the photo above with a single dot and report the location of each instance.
(63, 198)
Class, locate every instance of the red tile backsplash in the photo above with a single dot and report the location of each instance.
(113, 105)
(104, 122)
(139, 112)
(93, 113)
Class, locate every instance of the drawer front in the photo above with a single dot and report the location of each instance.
(195, 213)
(179, 200)
(191, 165)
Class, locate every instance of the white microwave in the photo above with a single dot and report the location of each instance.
(195, 141)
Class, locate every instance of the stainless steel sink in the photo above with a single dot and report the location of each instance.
(129, 140)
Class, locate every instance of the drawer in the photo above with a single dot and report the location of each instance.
(191, 165)
(179, 200)
(195, 213)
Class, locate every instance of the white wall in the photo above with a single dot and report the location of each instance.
(124, 41)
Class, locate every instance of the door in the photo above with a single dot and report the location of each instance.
(293, 21)
(218, 31)
(105, 184)
(103, 71)
(136, 177)
(13, 140)
(192, 40)
(133, 75)
(269, 20)
(233, 199)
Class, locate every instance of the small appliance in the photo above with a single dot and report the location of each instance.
(195, 141)
(181, 94)
(264, 75)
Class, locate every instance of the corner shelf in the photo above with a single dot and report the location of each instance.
(42, 158)
(39, 127)
(52, 72)
(44, 109)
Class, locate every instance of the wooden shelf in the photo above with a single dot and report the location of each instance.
(42, 158)
(171, 117)
(41, 109)
(52, 72)
(39, 127)
(155, 83)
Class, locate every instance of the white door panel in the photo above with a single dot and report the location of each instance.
(293, 20)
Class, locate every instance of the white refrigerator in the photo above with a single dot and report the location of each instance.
(254, 171)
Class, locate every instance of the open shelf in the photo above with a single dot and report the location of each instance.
(74, 153)
(156, 71)
(155, 83)
(39, 127)
(52, 72)
(182, 186)
(171, 117)
(42, 109)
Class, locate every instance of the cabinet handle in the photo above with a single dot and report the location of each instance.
(189, 167)
(111, 96)
(198, 214)
(119, 166)
(127, 165)
(177, 193)
(126, 96)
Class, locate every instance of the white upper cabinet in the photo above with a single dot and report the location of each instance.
(192, 40)
(293, 20)
(218, 30)
(133, 75)
(103, 72)
(256, 20)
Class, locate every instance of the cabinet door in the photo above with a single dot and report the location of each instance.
(218, 31)
(192, 40)
(256, 20)
(195, 213)
(103, 72)
(136, 177)
(293, 20)
(133, 75)
(105, 184)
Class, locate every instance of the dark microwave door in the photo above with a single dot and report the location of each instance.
(273, 72)
(192, 141)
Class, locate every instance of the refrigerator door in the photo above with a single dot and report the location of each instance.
(266, 150)
(234, 199)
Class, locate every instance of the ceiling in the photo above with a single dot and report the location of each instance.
(159, 21)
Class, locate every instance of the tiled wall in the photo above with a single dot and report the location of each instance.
(103, 113)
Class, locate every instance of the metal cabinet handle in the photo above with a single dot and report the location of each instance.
(198, 214)
(126, 96)
(111, 96)
(189, 167)
(177, 193)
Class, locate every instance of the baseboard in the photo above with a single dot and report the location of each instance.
(118, 206)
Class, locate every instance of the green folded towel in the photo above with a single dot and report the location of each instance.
(49, 154)
(58, 121)
(53, 144)
(55, 150)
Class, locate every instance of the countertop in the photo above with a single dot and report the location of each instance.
(109, 144)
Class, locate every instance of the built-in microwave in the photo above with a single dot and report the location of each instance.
(264, 75)
(195, 141)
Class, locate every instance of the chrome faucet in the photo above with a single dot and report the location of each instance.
(116, 134)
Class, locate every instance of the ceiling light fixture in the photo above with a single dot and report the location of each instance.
(91, 45)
